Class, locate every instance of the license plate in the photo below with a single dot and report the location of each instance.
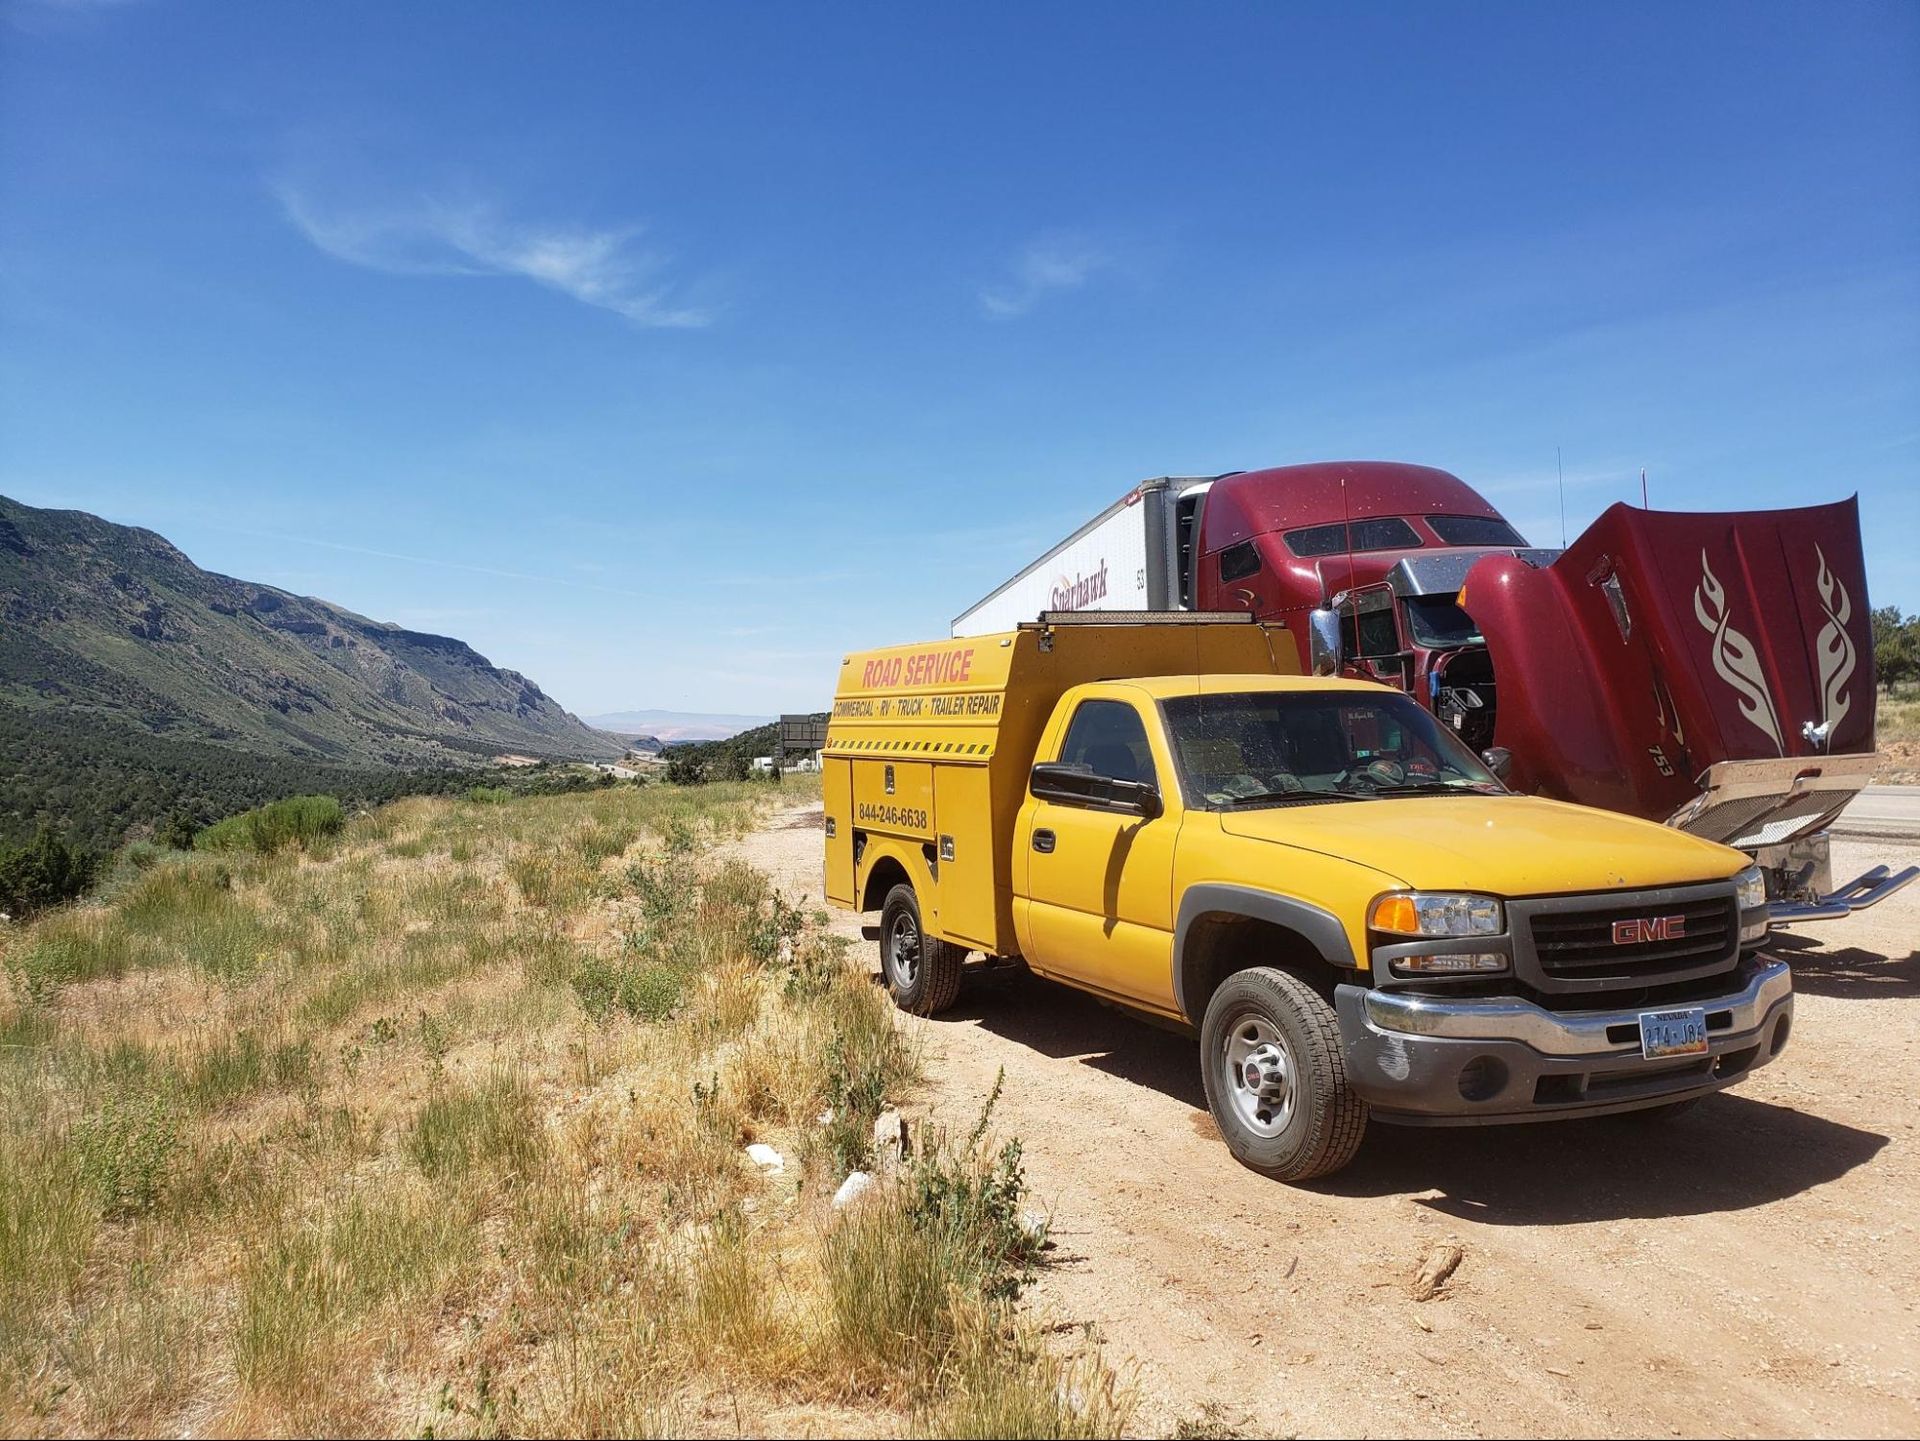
(1673, 1033)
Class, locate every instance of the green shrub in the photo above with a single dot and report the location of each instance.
(489, 795)
(178, 831)
(650, 990)
(126, 1149)
(492, 1123)
(44, 872)
(297, 820)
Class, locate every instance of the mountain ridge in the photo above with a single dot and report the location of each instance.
(117, 621)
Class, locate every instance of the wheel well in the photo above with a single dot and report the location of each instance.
(885, 875)
(1220, 943)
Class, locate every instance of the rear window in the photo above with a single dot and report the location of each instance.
(1474, 530)
(1380, 533)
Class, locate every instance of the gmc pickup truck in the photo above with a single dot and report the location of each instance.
(1313, 874)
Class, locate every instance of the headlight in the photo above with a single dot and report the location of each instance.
(1750, 899)
(1413, 913)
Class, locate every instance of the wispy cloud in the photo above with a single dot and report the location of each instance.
(1045, 265)
(598, 267)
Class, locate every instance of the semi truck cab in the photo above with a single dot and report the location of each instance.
(1709, 671)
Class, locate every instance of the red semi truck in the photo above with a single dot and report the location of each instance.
(1713, 671)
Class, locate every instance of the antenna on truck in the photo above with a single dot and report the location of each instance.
(1561, 471)
(1346, 510)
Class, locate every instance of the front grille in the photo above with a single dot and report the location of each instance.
(1578, 946)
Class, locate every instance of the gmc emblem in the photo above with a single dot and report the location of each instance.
(1654, 928)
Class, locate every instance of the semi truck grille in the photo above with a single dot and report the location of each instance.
(1583, 945)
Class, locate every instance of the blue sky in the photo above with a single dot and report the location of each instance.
(665, 352)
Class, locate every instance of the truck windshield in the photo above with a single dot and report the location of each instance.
(1474, 530)
(1438, 623)
(1279, 747)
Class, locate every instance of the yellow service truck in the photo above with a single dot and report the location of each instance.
(1313, 874)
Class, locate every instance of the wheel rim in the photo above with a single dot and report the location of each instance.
(903, 952)
(1259, 1075)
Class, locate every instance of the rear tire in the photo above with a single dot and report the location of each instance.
(1276, 1077)
(922, 974)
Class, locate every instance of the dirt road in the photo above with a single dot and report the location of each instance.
(1751, 1269)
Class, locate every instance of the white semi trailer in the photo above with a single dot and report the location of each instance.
(1134, 555)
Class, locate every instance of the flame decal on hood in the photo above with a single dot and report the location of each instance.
(1833, 648)
(1733, 655)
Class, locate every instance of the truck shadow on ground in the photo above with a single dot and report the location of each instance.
(1727, 1154)
(1848, 973)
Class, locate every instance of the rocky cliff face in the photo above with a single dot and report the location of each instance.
(118, 622)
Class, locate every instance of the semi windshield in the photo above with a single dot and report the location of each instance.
(1438, 623)
(1275, 747)
(1474, 530)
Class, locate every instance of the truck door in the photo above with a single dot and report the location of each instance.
(1099, 894)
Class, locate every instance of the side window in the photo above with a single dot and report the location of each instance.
(1109, 738)
(1237, 562)
(1369, 633)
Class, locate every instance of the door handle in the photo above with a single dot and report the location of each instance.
(1043, 842)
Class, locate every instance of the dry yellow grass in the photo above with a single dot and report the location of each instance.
(438, 1126)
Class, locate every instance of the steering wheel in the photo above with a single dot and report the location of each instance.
(1377, 772)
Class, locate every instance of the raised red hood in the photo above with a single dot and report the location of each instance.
(1662, 642)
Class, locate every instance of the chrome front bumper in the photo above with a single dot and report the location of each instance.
(1439, 1061)
(1565, 1033)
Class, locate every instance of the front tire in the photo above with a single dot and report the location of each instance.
(1276, 1077)
(922, 973)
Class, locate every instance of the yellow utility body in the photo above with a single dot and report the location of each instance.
(1356, 917)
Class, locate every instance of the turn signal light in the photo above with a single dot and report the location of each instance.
(1461, 963)
(1416, 913)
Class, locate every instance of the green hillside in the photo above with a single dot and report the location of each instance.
(131, 679)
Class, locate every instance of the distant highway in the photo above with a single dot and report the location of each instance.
(1887, 811)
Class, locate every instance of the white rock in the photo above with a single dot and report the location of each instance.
(1034, 1224)
(766, 1158)
(825, 1118)
(890, 1138)
(857, 1184)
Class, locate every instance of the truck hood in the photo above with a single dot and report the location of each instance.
(1663, 643)
(1499, 845)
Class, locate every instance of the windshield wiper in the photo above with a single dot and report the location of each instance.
(1436, 788)
(1283, 797)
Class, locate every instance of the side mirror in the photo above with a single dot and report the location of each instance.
(1140, 797)
(1077, 785)
(1323, 639)
(1499, 760)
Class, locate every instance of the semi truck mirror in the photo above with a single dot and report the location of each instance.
(1323, 639)
(1499, 760)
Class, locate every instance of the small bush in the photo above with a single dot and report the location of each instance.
(44, 872)
(177, 831)
(489, 795)
(906, 1273)
(494, 1123)
(125, 1150)
(297, 820)
(648, 990)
